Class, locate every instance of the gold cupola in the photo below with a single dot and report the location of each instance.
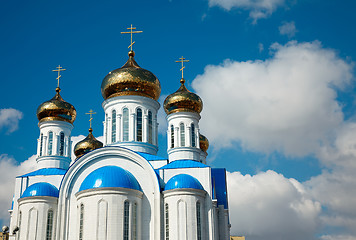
(131, 79)
(87, 144)
(56, 109)
(203, 143)
(183, 101)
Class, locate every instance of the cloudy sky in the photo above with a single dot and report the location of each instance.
(277, 79)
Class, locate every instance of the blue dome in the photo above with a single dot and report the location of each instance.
(183, 181)
(110, 176)
(41, 189)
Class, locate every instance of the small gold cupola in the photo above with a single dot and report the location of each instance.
(203, 143)
(89, 143)
(56, 109)
(131, 79)
(183, 100)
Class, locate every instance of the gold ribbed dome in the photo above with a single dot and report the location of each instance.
(183, 101)
(131, 79)
(87, 144)
(203, 143)
(56, 109)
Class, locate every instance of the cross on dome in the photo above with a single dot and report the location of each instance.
(131, 32)
(182, 60)
(91, 116)
(58, 70)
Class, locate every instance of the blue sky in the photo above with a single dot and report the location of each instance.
(281, 73)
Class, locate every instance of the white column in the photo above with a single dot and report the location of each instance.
(44, 150)
(109, 130)
(197, 141)
(38, 146)
(55, 144)
(132, 127)
(145, 128)
(119, 128)
(168, 139)
(188, 136)
(176, 133)
(105, 134)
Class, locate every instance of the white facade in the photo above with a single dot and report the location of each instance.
(155, 209)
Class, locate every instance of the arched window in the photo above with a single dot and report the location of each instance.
(172, 136)
(166, 221)
(126, 220)
(125, 127)
(193, 135)
(134, 221)
(139, 125)
(50, 142)
(150, 127)
(61, 144)
(113, 127)
(49, 225)
(41, 144)
(81, 221)
(198, 221)
(182, 135)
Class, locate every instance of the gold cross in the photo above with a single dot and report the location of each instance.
(91, 116)
(131, 32)
(182, 60)
(59, 69)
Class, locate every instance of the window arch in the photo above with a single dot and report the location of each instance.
(81, 221)
(139, 125)
(61, 144)
(172, 136)
(182, 135)
(150, 127)
(126, 220)
(125, 122)
(198, 221)
(193, 134)
(49, 225)
(134, 221)
(50, 143)
(113, 126)
(166, 220)
(41, 144)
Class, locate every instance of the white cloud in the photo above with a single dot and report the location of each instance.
(286, 103)
(270, 206)
(161, 117)
(288, 28)
(9, 118)
(10, 169)
(338, 237)
(257, 9)
(260, 47)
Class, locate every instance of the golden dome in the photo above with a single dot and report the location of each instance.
(56, 109)
(131, 79)
(87, 144)
(203, 143)
(183, 101)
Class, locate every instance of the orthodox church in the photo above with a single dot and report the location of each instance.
(120, 189)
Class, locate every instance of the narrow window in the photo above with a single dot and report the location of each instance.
(139, 125)
(81, 222)
(172, 136)
(113, 128)
(134, 221)
(182, 135)
(198, 222)
(20, 219)
(125, 120)
(50, 142)
(49, 225)
(166, 221)
(150, 127)
(41, 144)
(193, 135)
(61, 144)
(126, 220)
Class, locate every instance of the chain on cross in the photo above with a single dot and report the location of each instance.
(182, 60)
(91, 116)
(59, 69)
(131, 32)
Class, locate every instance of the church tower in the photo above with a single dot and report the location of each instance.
(56, 118)
(130, 104)
(183, 114)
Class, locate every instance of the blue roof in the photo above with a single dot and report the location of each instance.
(45, 172)
(184, 164)
(41, 189)
(218, 178)
(183, 181)
(110, 176)
(150, 157)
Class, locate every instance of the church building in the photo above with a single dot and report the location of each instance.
(120, 188)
